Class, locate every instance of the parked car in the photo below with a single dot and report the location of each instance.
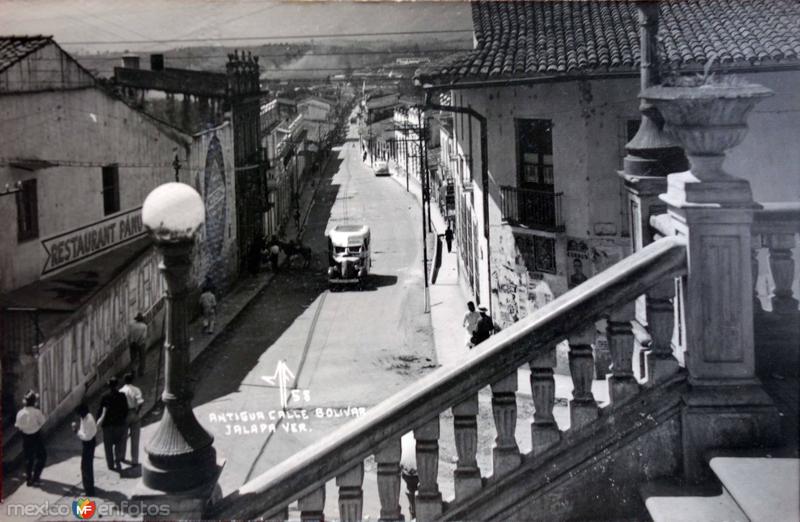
(381, 168)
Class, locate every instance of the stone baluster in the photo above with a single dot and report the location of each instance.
(782, 266)
(351, 496)
(505, 454)
(583, 408)
(661, 363)
(388, 460)
(429, 498)
(754, 247)
(544, 430)
(312, 506)
(622, 385)
(465, 425)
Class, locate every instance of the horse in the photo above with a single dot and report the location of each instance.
(294, 250)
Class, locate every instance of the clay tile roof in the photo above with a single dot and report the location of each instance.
(530, 38)
(15, 48)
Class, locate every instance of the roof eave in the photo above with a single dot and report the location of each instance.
(435, 83)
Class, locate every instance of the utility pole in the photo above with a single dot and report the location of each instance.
(405, 165)
(424, 228)
(426, 181)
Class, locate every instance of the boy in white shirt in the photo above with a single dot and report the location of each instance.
(133, 422)
(86, 431)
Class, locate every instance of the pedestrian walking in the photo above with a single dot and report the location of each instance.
(470, 321)
(137, 338)
(208, 304)
(485, 327)
(133, 422)
(111, 418)
(86, 430)
(448, 237)
(297, 218)
(29, 422)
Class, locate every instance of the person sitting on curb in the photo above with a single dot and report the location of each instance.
(208, 303)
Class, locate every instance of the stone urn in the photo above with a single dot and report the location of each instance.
(706, 121)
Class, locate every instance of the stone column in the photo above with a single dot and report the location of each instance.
(465, 425)
(544, 430)
(583, 408)
(429, 498)
(388, 460)
(661, 363)
(312, 506)
(714, 211)
(351, 495)
(505, 454)
(622, 384)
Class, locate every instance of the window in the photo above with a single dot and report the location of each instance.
(27, 211)
(538, 252)
(535, 142)
(110, 189)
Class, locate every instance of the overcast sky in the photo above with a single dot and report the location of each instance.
(134, 21)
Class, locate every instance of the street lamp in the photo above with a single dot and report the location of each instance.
(180, 456)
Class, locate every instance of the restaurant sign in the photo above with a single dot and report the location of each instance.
(70, 247)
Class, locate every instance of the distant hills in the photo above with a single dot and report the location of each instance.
(297, 60)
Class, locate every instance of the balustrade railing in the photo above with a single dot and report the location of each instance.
(494, 363)
(532, 208)
(776, 228)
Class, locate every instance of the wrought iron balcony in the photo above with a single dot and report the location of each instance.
(536, 209)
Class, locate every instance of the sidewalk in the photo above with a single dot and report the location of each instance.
(448, 301)
(61, 479)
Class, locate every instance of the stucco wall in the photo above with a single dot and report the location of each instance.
(79, 132)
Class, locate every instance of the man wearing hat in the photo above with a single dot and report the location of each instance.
(29, 422)
(137, 338)
(112, 418)
(485, 327)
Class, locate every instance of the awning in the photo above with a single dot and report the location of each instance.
(66, 291)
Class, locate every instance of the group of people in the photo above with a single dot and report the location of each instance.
(119, 414)
(478, 324)
(273, 248)
(119, 417)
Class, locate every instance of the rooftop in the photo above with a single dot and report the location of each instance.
(15, 48)
(533, 39)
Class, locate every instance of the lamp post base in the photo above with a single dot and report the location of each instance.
(190, 504)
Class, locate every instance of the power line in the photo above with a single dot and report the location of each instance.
(298, 55)
(255, 38)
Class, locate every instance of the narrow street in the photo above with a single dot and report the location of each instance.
(346, 349)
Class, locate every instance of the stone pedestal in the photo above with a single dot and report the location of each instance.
(726, 408)
(713, 210)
